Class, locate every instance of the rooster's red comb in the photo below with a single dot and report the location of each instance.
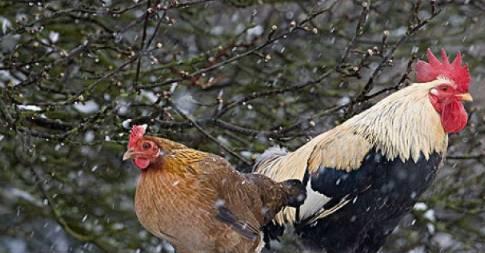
(137, 132)
(434, 68)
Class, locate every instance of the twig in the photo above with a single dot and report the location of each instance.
(142, 45)
(413, 29)
(466, 157)
(207, 134)
(358, 29)
(93, 238)
(255, 95)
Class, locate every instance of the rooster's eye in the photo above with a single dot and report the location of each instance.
(146, 145)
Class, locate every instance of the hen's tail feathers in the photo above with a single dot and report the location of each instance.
(296, 192)
(225, 215)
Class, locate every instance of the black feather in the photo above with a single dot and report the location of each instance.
(225, 215)
(296, 191)
(380, 193)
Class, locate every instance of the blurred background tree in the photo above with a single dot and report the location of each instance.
(232, 78)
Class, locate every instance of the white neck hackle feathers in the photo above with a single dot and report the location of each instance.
(403, 125)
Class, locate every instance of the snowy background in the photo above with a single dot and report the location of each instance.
(232, 78)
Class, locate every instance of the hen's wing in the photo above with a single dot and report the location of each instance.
(225, 215)
(236, 199)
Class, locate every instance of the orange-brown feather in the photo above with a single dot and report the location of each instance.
(199, 203)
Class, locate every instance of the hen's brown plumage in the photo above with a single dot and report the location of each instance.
(199, 203)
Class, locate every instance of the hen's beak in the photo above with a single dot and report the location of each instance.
(128, 154)
(466, 97)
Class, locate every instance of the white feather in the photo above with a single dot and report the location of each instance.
(313, 202)
(274, 151)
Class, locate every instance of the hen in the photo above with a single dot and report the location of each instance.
(198, 202)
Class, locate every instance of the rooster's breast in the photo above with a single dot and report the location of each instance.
(378, 194)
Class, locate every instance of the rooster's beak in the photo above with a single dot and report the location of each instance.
(128, 154)
(466, 97)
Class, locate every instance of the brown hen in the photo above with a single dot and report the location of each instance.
(198, 202)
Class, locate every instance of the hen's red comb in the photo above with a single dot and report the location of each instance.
(137, 132)
(455, 71)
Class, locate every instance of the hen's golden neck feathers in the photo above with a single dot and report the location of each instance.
(165, 144)
(175, 157)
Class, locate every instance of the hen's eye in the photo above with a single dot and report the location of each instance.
(444, 88)
(146, 145)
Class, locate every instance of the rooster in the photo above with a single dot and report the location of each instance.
(198, 202)
(364, 175)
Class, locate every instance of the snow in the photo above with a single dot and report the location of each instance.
(219, 203)
(5, 75)
(123, 108)
(6, 24)
(185, 102)
(118, 226)
(444, 240)
(255, 31)
(420, 206)
(21, 194)
(217, 30)
(344, 100)
(246, 154)
(34, 108)
(223, 140)
(21, 18)
(87, 107)
(429, 215)
(126, 123)
(15, 245)
(338, 181)
(399, 31)
(168, 247)
(54, 37)
(419, 249)
(89, 136)
(107, 2)
(152, 97)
